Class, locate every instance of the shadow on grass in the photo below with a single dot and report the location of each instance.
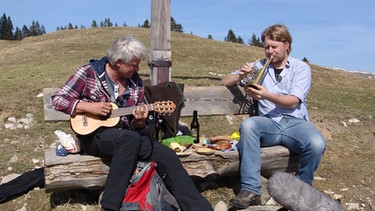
(77, 196)
(231, 182)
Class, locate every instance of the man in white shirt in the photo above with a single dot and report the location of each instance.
(282, 115)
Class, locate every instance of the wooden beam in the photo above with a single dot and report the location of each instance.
(208, 100)
(83, 171)
(160, 44)
(217, 100)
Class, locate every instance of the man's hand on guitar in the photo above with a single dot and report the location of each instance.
(95, 108)
(140, 114)
(104, 108)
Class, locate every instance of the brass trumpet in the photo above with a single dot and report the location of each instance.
(255, 76)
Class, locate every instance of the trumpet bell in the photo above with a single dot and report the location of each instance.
(258, 70)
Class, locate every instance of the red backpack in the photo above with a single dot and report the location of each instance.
(147, 191)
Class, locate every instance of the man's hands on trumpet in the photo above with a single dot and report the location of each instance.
(257, 94)
(232, 79)
(246, 69)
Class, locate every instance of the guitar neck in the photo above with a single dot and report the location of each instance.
(128, 110)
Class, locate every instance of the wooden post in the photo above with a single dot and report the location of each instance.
(160, 45)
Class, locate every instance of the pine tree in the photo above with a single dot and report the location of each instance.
(32, 30)
(18, 34)
(3, 22)
(231, 37)
(39, 29)
(146, 24)
(70, 26)
(305, 60)
(239, 40)
(175, 26)
(25, 31)
(94, 24)
(42, 30)
(255, 41)
(36, 29)
(9, 29)
(6, 28)
(107, 23)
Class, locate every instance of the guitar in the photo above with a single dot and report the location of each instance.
(84, 123)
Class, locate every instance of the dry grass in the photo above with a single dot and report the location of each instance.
(34, 63)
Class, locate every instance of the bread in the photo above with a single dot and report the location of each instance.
(214, 140)
(205, 151)
(176, 147)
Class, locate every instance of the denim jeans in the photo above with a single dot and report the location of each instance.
(299, 136)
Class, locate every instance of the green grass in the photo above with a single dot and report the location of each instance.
(34, 63)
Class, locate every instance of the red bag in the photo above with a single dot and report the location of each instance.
(147, 191)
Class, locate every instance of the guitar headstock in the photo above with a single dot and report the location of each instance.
(164, 107)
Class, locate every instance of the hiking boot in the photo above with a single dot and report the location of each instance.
(244, 199)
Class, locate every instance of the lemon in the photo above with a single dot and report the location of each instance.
(236, 135)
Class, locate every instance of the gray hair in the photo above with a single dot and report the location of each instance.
(126, 48)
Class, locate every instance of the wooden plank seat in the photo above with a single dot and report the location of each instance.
(77, 171)
(82, 171)
(208, 100)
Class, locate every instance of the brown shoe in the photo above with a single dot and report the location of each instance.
(244, 199)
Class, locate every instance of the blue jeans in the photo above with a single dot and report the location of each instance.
(297, 135)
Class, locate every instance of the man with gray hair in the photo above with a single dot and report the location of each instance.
(114, 79)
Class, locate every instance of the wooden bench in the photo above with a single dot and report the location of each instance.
(82, 171)
(208, 100)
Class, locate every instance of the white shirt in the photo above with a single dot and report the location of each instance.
(295, 79)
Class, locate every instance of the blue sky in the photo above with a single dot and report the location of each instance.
(329, 33)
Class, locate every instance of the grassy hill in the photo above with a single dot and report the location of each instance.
(28, 66)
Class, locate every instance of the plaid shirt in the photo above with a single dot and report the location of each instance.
(88, 84)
